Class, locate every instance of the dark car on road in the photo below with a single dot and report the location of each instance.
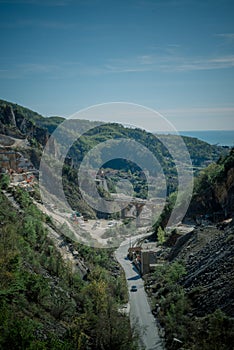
(133, 289)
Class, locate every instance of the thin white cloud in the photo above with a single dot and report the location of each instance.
(38, 24)
(54, 3)
(126, 65)
(229, 36)
(168, 62)
(37, 68)
(138, 64)
(200, 118)
(20, 71)
(225, 59)
(222, 62)
(146, 59)
(198, 110)
(124, 69)
(49, 24)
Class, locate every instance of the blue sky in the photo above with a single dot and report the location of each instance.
(175, 56)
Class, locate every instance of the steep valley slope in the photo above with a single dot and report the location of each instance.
(193, 292)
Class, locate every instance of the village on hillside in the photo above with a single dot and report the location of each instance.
(21, 171)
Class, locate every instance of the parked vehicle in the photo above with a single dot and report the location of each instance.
(133, 289)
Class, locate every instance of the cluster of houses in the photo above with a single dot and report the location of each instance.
(19, 168)
(145, 257)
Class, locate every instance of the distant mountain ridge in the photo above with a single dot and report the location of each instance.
(19, 121)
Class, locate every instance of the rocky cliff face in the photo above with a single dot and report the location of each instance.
(214, 196)
(208, 254)
(14, 123)
(224, 193)
(17, 123)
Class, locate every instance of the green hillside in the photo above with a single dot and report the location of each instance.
(46, 305)
(200, 151)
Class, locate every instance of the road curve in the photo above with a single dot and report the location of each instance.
(139, 307)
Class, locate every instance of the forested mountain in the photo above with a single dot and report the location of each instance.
(20, 121)
(57, 294)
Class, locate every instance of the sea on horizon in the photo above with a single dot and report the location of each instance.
(213, 137)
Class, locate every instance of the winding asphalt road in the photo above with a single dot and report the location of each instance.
(139, 307)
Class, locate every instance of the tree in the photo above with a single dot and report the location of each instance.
(4, 181)
(161, 235)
